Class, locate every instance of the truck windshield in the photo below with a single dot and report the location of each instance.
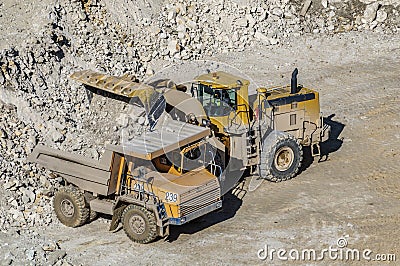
(216, 102)
(191, 158)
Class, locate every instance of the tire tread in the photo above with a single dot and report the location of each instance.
(152, 232)
(77, 196)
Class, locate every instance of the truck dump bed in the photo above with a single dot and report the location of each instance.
(168, 136)
(98, 176)
(90, 173)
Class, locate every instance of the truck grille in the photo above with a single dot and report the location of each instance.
(200, 197)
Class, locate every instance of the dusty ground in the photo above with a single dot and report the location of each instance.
(355, 193)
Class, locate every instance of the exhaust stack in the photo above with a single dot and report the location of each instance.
(293, 82)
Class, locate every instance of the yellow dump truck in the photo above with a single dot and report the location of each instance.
(147, 184)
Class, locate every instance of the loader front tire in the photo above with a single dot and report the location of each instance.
(69, 206)
(281, 157)
(139, 224)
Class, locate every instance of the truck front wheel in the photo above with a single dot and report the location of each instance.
(281, 157)
(139, 224)
(69, 206)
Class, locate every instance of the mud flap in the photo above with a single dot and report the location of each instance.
(116, 217)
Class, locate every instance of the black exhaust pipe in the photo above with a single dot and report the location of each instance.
(293, 82)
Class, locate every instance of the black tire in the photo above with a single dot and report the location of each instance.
(139, 224)
(92, 214)
(69, 206)
(281, 157)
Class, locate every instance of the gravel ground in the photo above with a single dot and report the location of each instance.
(352, 60)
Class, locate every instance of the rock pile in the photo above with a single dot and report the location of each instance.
(189, 29)
(27, 191)
(40, 104)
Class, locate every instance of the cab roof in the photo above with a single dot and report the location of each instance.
(222, 80)
(170, 135)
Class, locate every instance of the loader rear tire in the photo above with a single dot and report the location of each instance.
(139, 224)
(69, 206)
(281, 157)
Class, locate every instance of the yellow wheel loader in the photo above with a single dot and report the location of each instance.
(264, 132)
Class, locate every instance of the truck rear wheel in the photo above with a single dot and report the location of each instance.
(69, 206)
(281, 157)
(139, 224)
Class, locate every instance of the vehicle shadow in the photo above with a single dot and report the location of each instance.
(308, 159)
(232, 202)
(334, 142)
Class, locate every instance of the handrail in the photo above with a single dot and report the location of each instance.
(241, 111)
(143, 194)
(262, 112)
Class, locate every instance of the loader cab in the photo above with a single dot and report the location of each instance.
(217, 102)
(224, 98)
